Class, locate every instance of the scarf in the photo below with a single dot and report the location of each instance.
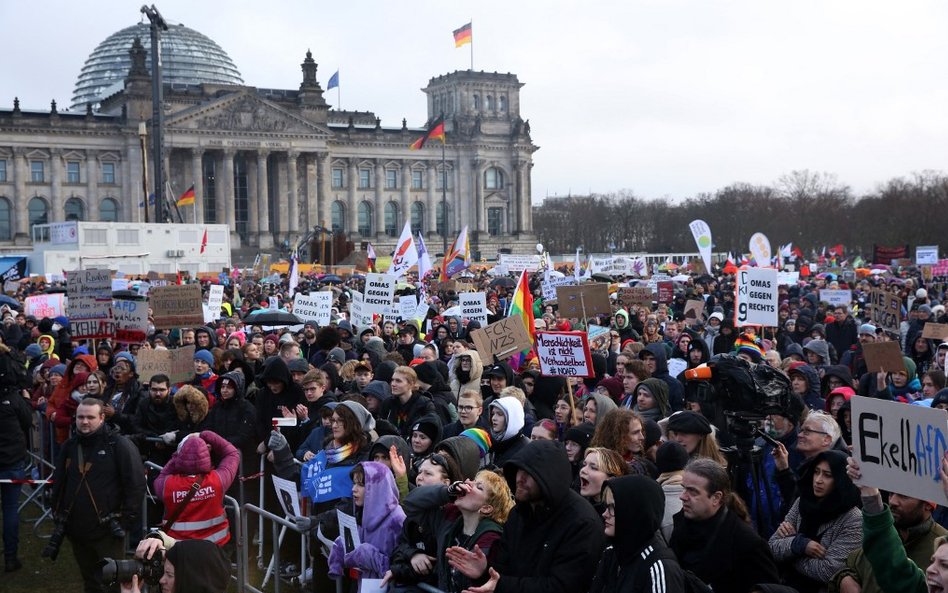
(340, 454)
(815, 512)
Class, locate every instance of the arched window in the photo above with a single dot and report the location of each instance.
(418, 217)
(6, 220)
(74, 209)
(490, 102)
(502, 103)
(338, 217)
(365, 219)
(108, 210)
(391, 219)
(38, 211)
(477, 102)
(494, 178)
(439, 213)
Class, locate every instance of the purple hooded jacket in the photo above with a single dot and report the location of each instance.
(379, 528)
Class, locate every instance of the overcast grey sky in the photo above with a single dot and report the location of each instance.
(661, 97)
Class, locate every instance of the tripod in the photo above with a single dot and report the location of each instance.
(745, 466)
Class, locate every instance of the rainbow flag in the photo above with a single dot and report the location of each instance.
(522, 304)
(457, 258)
(187, 198)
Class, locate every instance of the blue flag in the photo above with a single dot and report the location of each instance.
(333, 81)
(322, 484)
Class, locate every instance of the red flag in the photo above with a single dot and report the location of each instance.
(204, 241)
(837, 249)
(797, 252)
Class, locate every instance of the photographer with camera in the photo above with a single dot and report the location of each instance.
(187, 566)
(98, 486)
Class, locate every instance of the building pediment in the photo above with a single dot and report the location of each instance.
(243, 112)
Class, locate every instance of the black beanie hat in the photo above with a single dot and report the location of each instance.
(580, 434)
(653, 432)
(689, 423)
(671, 457)
(427, 427)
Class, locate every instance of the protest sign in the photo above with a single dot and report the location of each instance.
(178, 364)
(899, 448)
(273, 302)
(756, 297)
(676, 366)
(315, 307)
(90, 303)
(549, 286)
(598, 337)
(11, 286)
(288, 496)
(45, 305)
(788, 278)
(349, 530)
(836, 298)
(885, 310)
(694, 309)
(474, 307)
(502, 339)
(666, 292)
(656, 279)
(177, 306)
(935, 331)
(215, 298)
(119, 284)
(379, 293)
(323, 484)
(564, 354)
(635, 295)
(421, 312)
(926, 255)
(586, 299)
(886, 356)
(407, 305)
(131, 321)
(760, 249)
(357, 313)
(518, 263)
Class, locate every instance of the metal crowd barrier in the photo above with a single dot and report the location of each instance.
(278, 529)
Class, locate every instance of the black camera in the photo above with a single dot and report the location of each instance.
(55, 542)
(115, 526)
(121, 571)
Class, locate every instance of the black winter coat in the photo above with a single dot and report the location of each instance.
(15, 424)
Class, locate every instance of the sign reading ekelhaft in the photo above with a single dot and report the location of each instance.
(89, 307)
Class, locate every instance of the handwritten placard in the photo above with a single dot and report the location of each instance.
(45, 305)
(177, 306)
(131, 321)
(589, 299)
(90, 303)
(315, 307)
(474, 307)
(502, 339)
(885, 310)
(178, 364)
(564, 354)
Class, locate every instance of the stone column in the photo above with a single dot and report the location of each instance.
(92, 185)
(528, 199)
(323, 196)
(480, 216)
(265, 238)
(131, 195)
(56, 192)
(379, 199)
(253, 226)
(227, 183)
(432, 197)
(278, 175)
(292, 159)
(21, 199)
(352, 220)
(197, 178)
(406, 191)
(311, 165)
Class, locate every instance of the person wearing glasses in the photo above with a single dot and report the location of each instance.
(819, 432)
(155, 418)
(470, 407)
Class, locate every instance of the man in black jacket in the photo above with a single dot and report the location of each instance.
(656, 361)
(98, 487)
(154, 419)
(407, 404)
(15, 424)
(552, 540)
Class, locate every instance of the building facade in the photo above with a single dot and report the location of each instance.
(273, 164)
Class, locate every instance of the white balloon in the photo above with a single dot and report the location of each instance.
(539, 247)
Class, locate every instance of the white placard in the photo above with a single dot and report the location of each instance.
(756, 297)
(836, 298)
(899, 447)
(357, 314)
(676, 366)
(315, 307)
(788, 278)
(421, 311)
(288, 496)
(379, 294)
(45, 305)
(926, 255)
(518, 263)
(760, 249)
(274, 302)
(407, 305)
(131, 321)
(90, 303)
(474, 307)
(349, 530)
(119, 284)
(215, 298)
(549, 286)
(564, 354)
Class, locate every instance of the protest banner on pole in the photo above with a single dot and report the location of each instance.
(702, 235)
(518, 263)
(178, 364)
(502, 339)
(926, 255)
(899, 448)
(379, 293)
(90, 303)
(756, 297)
(45, 305)
(836, 298)
(885, 310)
(586, 299)
(315, 307)
(131, 321)
(564, 354)
(474, 307)
(177, 306)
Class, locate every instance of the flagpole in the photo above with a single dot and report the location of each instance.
(472, 45)
(444, 202)
(338, 91)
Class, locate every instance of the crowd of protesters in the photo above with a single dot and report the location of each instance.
(469, 474)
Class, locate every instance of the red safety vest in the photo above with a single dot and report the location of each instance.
(204, 517)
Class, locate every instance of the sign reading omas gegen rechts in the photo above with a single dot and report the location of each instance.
(756, 297)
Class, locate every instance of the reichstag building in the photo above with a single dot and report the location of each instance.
(270, 163)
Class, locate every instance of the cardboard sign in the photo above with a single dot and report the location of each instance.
(90, 303)
(518, 263)
(836, 298)
(935, 331)
(502, 339)
(926, 255)
(591, 299)
(45, 305)
(474, 307)
(131, 321)
(564, 354)
(549, 286)
(885, 310)
(899, 447)
(177, 306)
(379, 293)
(693, 311)
(315, 307)
(178, 364)
(756, 297)
(636, 295)
(665, 291)
(883, 355)
(215, 298)
(788, 278)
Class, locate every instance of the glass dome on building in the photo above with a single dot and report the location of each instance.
(187, 57)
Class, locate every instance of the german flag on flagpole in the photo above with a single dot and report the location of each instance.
(435, 131)
(463, 36)
(187, 198)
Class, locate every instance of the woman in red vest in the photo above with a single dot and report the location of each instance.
(192, 487)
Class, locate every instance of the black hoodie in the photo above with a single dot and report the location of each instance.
(676, 391)
(234, 418)
(268, 403)
(199, 566)
(638, 559)
(538, 551)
